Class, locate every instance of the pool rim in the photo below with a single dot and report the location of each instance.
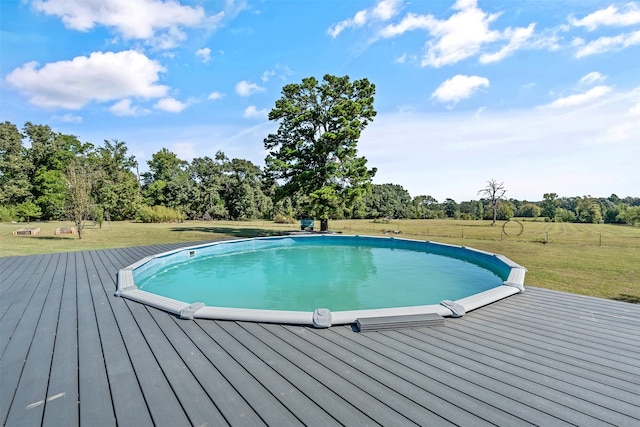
(126, 288)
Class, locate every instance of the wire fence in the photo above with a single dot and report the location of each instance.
(514, 231)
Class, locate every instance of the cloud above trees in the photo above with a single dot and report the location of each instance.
(469, 31)
(159, 23)
(459, 87)
(99, 77)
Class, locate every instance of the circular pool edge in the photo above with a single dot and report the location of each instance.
(320, 317)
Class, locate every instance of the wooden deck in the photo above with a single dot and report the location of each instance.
(71, 354)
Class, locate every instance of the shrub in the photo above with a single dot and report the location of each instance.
(7, 213)
(283, 219)
(27, 211)
(150, 214)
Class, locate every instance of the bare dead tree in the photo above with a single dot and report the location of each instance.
(78, 180)
(494, 191)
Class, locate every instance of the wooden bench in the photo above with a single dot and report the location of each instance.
(26, 232)
(65, 230)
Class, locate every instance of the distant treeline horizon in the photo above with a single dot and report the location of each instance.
(41, 182)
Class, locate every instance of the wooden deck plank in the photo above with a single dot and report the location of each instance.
(196, 403)
(14, 270)
(161, 401)
(61, 405)
(557, 349)
(423, 391)
(521, 364)
(532, 355)
(366, 390)
(231, 404)
(227, 334)
(19, 339)
(344, 411)
(128, 402)
(94, 389)
(537, 317)
(27, 408)
(17, 298)
(541, 357)
(290, 349)
(584, 401)
(237, 373)
(465, 398)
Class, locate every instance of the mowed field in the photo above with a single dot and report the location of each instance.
(592, 259)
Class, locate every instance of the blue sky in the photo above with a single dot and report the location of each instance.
(542, 95)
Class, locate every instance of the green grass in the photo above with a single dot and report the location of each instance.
(591, 259)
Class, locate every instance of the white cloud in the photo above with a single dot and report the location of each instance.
(252, 112)
(101, 77)
(358, 20)
(635, 110)
(245, 88)
(214, 96)
(267, 75)
(280, 71)
(204, 54)
(459, 87)
(401, 59)
(382, 11)
(170, 105)
(460, 36)
(386, 9)
(158, 22)
(606, 44)
(517, 38)
(593, 77)
(125, 108)
(409, 23)
(581, 98)
(609, 16)
(68, 118)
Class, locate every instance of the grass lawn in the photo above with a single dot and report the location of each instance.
(591, 259)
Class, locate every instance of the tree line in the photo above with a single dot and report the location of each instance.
(393, 201)
(48, 180)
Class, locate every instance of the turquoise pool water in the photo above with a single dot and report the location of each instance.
(302, 274)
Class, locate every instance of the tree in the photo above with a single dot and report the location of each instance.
(494, 191)
(167, 183)
(243, 195)
(15, 166)
(50, 153)
(427, 207)
(529, 210)
(451, 208)
(505, 211)
(388, 201)
(588, 210)
(27, 211)
(207, 177)
(116, 188)
(549, 205)
(630, 215)
(472, 209)
(314, 149)
(78, 179)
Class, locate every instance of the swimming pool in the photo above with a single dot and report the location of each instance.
(320, 279)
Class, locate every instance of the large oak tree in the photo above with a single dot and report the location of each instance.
(314, 151)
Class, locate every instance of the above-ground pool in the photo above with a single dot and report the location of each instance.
(321, 280)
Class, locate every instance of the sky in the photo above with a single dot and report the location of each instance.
(541, 95)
